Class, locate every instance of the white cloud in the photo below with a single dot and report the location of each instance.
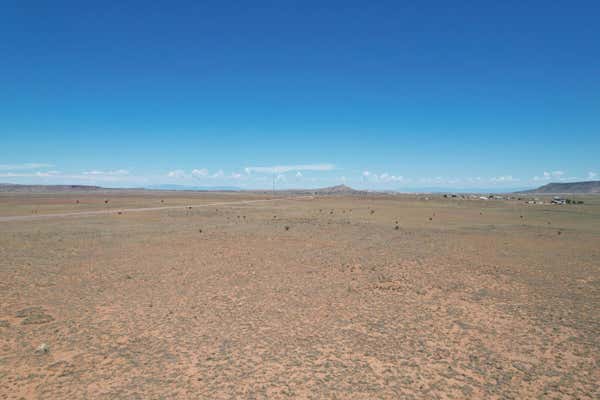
(178, 173)
(546, 176)
(22, 167)
(200, 173)
(298, 174)
(503, 179)
(592, 175)
(116, 172)
(33, 174)
(86, 177)
(383, 178)
(280, 169)
(218, 174)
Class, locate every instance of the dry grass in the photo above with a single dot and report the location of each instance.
(476, 302)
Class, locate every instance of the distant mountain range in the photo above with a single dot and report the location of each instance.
(196, 188)
(588, 187)
(13, 187)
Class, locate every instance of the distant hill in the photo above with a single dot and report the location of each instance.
(13, 187)
(339, 189)
(589, 187)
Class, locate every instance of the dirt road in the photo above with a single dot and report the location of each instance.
(13, 218)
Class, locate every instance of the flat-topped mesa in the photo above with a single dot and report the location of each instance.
(588, 187)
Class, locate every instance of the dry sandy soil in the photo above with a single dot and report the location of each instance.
(325, 298)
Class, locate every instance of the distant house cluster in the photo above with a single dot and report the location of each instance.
(557, 200)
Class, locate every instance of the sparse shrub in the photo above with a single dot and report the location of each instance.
(430, 218)
(396, 227)
(372, 212)
(199, 230)
(287, 228)
(120, 212)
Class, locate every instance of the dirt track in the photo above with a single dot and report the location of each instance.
(140, 209)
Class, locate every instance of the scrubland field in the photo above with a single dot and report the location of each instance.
(392, 297)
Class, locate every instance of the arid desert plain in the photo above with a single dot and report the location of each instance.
(246, 296)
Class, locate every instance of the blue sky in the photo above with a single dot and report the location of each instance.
(379, 96)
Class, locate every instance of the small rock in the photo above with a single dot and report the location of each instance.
(42, 349)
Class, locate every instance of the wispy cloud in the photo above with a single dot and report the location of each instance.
(178, 173)
(116, 172)
(280, 169)
(548, 175)
(35, 174)
(382, 178)
(504, 179)
(66, 178)
(23, 167)
(200, 173)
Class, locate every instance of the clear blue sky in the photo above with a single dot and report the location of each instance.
(502, 94)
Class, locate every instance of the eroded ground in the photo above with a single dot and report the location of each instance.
(464, 299)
